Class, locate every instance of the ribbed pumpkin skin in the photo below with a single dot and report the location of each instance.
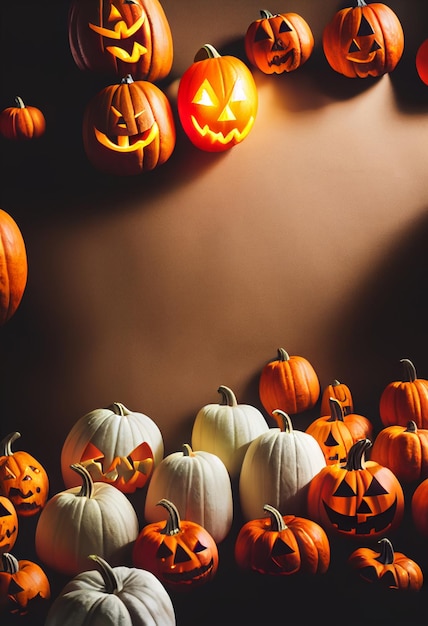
(404, 449)
(343, 31)
(200, 486)
(340, 392)
(405, 400)
(90, 49)
(288, 383)
(22, 122)
(277, 468)
(141, 600)
(13, 266)
(419, 508)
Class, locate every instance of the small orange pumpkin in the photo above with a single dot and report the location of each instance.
(289, 383)
(13, 266)
(282, 545)
(405, 400)
(278, 43)
(22, 584)
(387, 568)
(341, 392)
(22, 122)
(404, 449)
(181, 554)
(364, 40)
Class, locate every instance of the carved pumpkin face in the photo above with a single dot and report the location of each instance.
(364, 40)
(357, 499)
(129, 128)
(21, 584)
(22, 479)
(278, 43)
(117, 37)
(182, 554)
(217, 101)
(8, 525)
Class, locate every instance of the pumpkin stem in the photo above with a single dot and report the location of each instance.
(172, 526)
(361, 3)
(87, 489)
(283, 421)
(127, 80)
(277, 523)
(187, 450)
(282, 355)
(265, 14)
(386, 555)
(6, 443)
(228, 397)
(336, 410)
(355, 460)
(111, 582)
(19, 102)
(206, 52)
(411, 427)
(409, 371)
(118, 408)
(10, 563)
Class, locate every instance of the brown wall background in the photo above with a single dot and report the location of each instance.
(155, 290)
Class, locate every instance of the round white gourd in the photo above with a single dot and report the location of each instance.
(199, 485)
(277, 468)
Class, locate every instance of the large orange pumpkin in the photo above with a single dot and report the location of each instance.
(114, 38)
(22, 584)
(13, 266)
(365, 40)
(289, 383)
(129, 128)
(217, 100)
(405, 400)
(404, 449)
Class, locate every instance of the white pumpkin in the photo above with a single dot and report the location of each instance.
(199, 485)
(116, 446)
(226, 429)
(111, 596)
(277, 468)
(95, 518)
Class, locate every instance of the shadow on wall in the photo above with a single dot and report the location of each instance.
(387, 321)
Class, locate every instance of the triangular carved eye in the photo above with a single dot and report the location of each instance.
(280, 548)
(3, 511)
(375, 489)
(163, 551)
(14, 588)
(199, 547)
(262, 34)
(285, 28)
(344, 490)
(375, 47)
(331, 441)
(365, 28)
(354, 47)
(181, 556)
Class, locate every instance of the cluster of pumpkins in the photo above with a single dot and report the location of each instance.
(297, 491)
(129, 126)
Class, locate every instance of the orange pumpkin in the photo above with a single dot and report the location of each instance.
(422, 61)
(22, 584)
(342, 393)
(405, 400)
(289, 383)
(181, 554)
(13, 267)
(337, 432)
(386, 568)
(21, 121)
(282, 545)
(217, 101)
(419, 508)
(22, 478)
(129, 128)
(114, 38)
(358, 499)
(8, 525)
(278, 43)
(365, 40)
(404, 449)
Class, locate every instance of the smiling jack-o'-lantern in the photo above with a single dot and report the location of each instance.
(278, 43)
(181, 553)
(128, 128)
(366, 40)
(22, 478)
(358, 499)
(217, 100)
(8, 525)
(115, 445)
(117, 37)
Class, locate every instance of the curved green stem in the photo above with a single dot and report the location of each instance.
(265, 14)
(110, 579)
(284, 421)
(187, 450)
(10, 563)
(172, 526)
(411, 427)
(386, 555)
(119, 408)
(409, 371)
(283, 355)
(6, 443)
(356, 460)
(277, 521)
(19, 102)
(228, 397)
(87, 489)
(336, 410)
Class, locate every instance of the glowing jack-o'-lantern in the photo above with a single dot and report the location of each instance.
(217, 101)
(181, 553)
(366, 40)
(115, 445)
(118, 37)
(278, 43)
(129, 128)
(8, 525)
(22, 584)
(22, 478)
(358, 499)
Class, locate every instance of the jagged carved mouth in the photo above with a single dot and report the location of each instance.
(280, 59)
(356, 524)
(190, 576)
